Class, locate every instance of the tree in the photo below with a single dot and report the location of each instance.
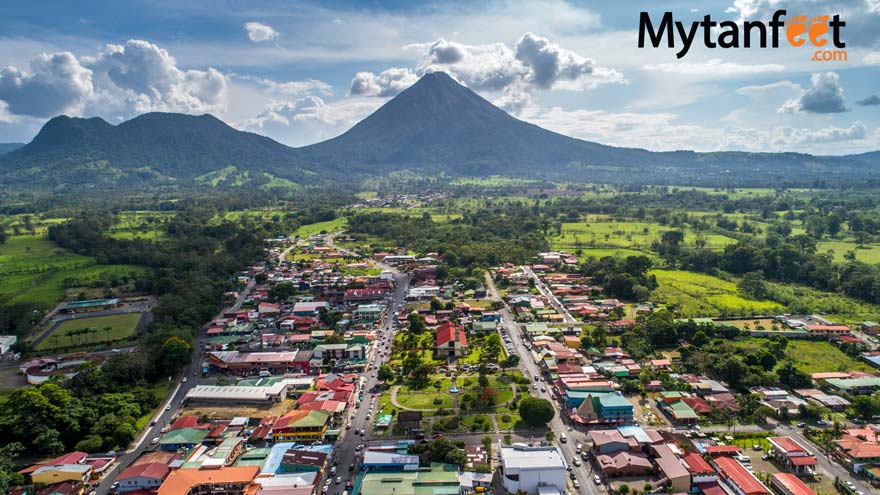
(536, 411)
(512, 361)
(175, 353)
(417, 323)
(792, 377)
(385, 373)
(90, 443)
(282, 291)
(752, 285)
(335, 339)
(420, 374)
(491, 347)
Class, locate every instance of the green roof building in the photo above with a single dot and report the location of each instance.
(440, 479)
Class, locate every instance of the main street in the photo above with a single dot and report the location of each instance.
(346, 448)
(547, 293)
(528, 367)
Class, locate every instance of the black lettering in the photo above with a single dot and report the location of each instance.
(776, 24)
(707, 25)
(686, 38)
(747, 33)
(836, 24)
(665, 27)
(731, 32)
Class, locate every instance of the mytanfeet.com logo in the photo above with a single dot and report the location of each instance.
(808, 31)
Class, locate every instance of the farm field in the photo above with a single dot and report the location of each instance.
(694, 295)
(104, 328)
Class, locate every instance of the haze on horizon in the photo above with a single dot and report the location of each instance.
(304, 72)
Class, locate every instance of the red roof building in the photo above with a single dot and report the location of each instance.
(450, 340)
(789, 484)
(733, 473)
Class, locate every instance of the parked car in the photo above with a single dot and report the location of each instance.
(597, 480)
(155, 440)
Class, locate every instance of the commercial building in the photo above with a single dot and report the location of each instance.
(440, 479)
(531, 468)
(223, 481)
(146, 476)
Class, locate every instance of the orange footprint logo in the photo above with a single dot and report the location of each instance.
(818, 28)
(794, 28)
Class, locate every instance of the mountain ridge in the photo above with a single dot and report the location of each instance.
(434, 127)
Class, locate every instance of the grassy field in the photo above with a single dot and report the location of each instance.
(870, 253)
(811, 356)
(140, 224)
(35, 270)
(425, 400)
(694, 294)
(626, 235)
(107, 328)
(334, 225)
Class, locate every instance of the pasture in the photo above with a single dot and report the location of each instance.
(694, 295)
(84, 331)
(36, 271)
(635, 235)
(811, 356)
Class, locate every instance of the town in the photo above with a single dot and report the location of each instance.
(334, 371)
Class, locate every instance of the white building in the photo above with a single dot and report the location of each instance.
(532, 469)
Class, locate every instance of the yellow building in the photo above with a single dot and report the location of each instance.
(56, 473)
(301, 426)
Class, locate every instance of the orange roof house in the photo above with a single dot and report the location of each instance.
(187, 481)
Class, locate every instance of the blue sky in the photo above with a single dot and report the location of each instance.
(301, 72)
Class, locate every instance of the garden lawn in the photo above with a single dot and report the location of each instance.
(424, 400)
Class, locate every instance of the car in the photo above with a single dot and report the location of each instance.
(577, 462)
(572, 476)
(351, 467)
(821, 422)
(756, 448)
(339, 480)
(328, 481)
(359, 448)
(183, 380)
(333, 470)
(325, 489)
(115, 485)
(348, 426)
(155, 440)
(153, 423)
(597, 480)
(543, 390)
(436, 435)
(168, 407)
(801, 425)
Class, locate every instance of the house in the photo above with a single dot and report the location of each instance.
(870, 327)
(701, 471)
(605, 408)
(855, 386)
(828, 330)
(363, 295)
(222, 481)
(182, 438)
(147, 476)
(247, 363)
(859, 447)
(792, 454)
(624, 463)
(610, 441)
(450, 340)
(369, 313)
(310, 308)
(528, 468)
(672, 469)
(63, 488)
(56, 473)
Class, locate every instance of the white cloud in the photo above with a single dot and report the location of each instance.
(533, 62)
(872, 58)
(259, 32)
(861, 16)
(120, 81)
(514, 102)
(288, 88)
(54, 84)
(787, 138)
(5, 116)
(309, 119)
(714, 68)
(825, 95)
(387, 83)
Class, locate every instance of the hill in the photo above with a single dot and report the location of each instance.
(7, 147)
(436, 127)
(154, 148)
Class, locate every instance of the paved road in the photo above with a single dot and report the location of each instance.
(527, 365)
(169, 409)
(346, 452)
(546, 292)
